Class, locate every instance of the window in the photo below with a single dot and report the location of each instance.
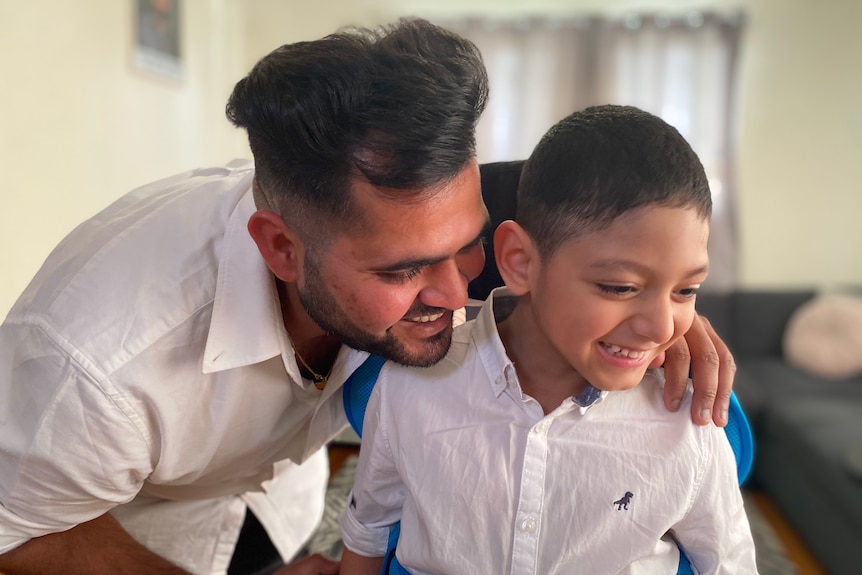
(681, 68)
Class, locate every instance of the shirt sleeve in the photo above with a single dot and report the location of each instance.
(69, 446)
(715, 533)
(374, 505)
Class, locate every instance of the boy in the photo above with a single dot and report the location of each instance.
(512, 455)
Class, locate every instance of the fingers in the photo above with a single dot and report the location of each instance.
(726, 373)
(712, 370)
(676, 369)
(311, 565)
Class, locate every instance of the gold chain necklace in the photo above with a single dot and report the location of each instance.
(319, 380)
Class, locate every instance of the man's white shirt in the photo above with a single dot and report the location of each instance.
(143, 373)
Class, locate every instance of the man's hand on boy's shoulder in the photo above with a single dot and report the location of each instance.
(712, 371)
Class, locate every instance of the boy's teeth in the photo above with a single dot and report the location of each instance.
(630, 353)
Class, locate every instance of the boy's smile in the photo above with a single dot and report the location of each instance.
(629, 356)
(608, 302)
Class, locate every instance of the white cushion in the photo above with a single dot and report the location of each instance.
(824, 336)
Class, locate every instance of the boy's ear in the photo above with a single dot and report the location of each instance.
(516, 256)
(279, 245)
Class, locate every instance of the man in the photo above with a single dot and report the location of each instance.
(171, 376)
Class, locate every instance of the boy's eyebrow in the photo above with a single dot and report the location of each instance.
(425, 262)
(637, 267)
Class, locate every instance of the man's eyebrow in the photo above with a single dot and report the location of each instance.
(425, 262)
(637, 267)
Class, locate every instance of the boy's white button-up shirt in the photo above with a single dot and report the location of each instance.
(483, 482)
(143, 373)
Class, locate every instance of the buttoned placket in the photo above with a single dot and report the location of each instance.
(529, 517)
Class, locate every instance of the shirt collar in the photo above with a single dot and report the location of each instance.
(246, 316)
(589, 396)
(500, 369)
(500, 303)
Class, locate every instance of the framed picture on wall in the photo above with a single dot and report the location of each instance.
(157, 37)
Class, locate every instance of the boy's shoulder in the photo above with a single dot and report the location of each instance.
(649, 395)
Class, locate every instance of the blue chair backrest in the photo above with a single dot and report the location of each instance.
(358, 387)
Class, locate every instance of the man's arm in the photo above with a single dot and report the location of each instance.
(355, 564)
(712, 371)
(102, 546)
(97, 547)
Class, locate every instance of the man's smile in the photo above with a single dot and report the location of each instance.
(425, 318)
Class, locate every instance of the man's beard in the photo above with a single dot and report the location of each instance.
(322, 307)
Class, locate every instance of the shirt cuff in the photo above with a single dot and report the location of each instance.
(370, 540)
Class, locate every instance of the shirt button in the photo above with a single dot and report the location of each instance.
(528, 525)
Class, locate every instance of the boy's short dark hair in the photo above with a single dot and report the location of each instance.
(397, 105)
(600, 162)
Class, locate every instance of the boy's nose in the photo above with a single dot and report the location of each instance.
(654, 321)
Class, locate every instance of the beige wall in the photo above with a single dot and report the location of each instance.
(80, 126)
(800, 146)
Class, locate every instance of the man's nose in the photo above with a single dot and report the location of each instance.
(446, 286)
(471, 262)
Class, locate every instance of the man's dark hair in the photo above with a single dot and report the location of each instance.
(397, 106)
(599, 163)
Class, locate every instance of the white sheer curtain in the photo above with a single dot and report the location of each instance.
(681, 68)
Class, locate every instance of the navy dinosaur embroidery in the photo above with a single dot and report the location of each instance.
(623, 502)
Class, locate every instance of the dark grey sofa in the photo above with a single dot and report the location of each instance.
(808, 430)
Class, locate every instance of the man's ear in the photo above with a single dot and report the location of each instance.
(516, 256)
(279, 245)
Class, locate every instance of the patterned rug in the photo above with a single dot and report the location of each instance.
(771, 556)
